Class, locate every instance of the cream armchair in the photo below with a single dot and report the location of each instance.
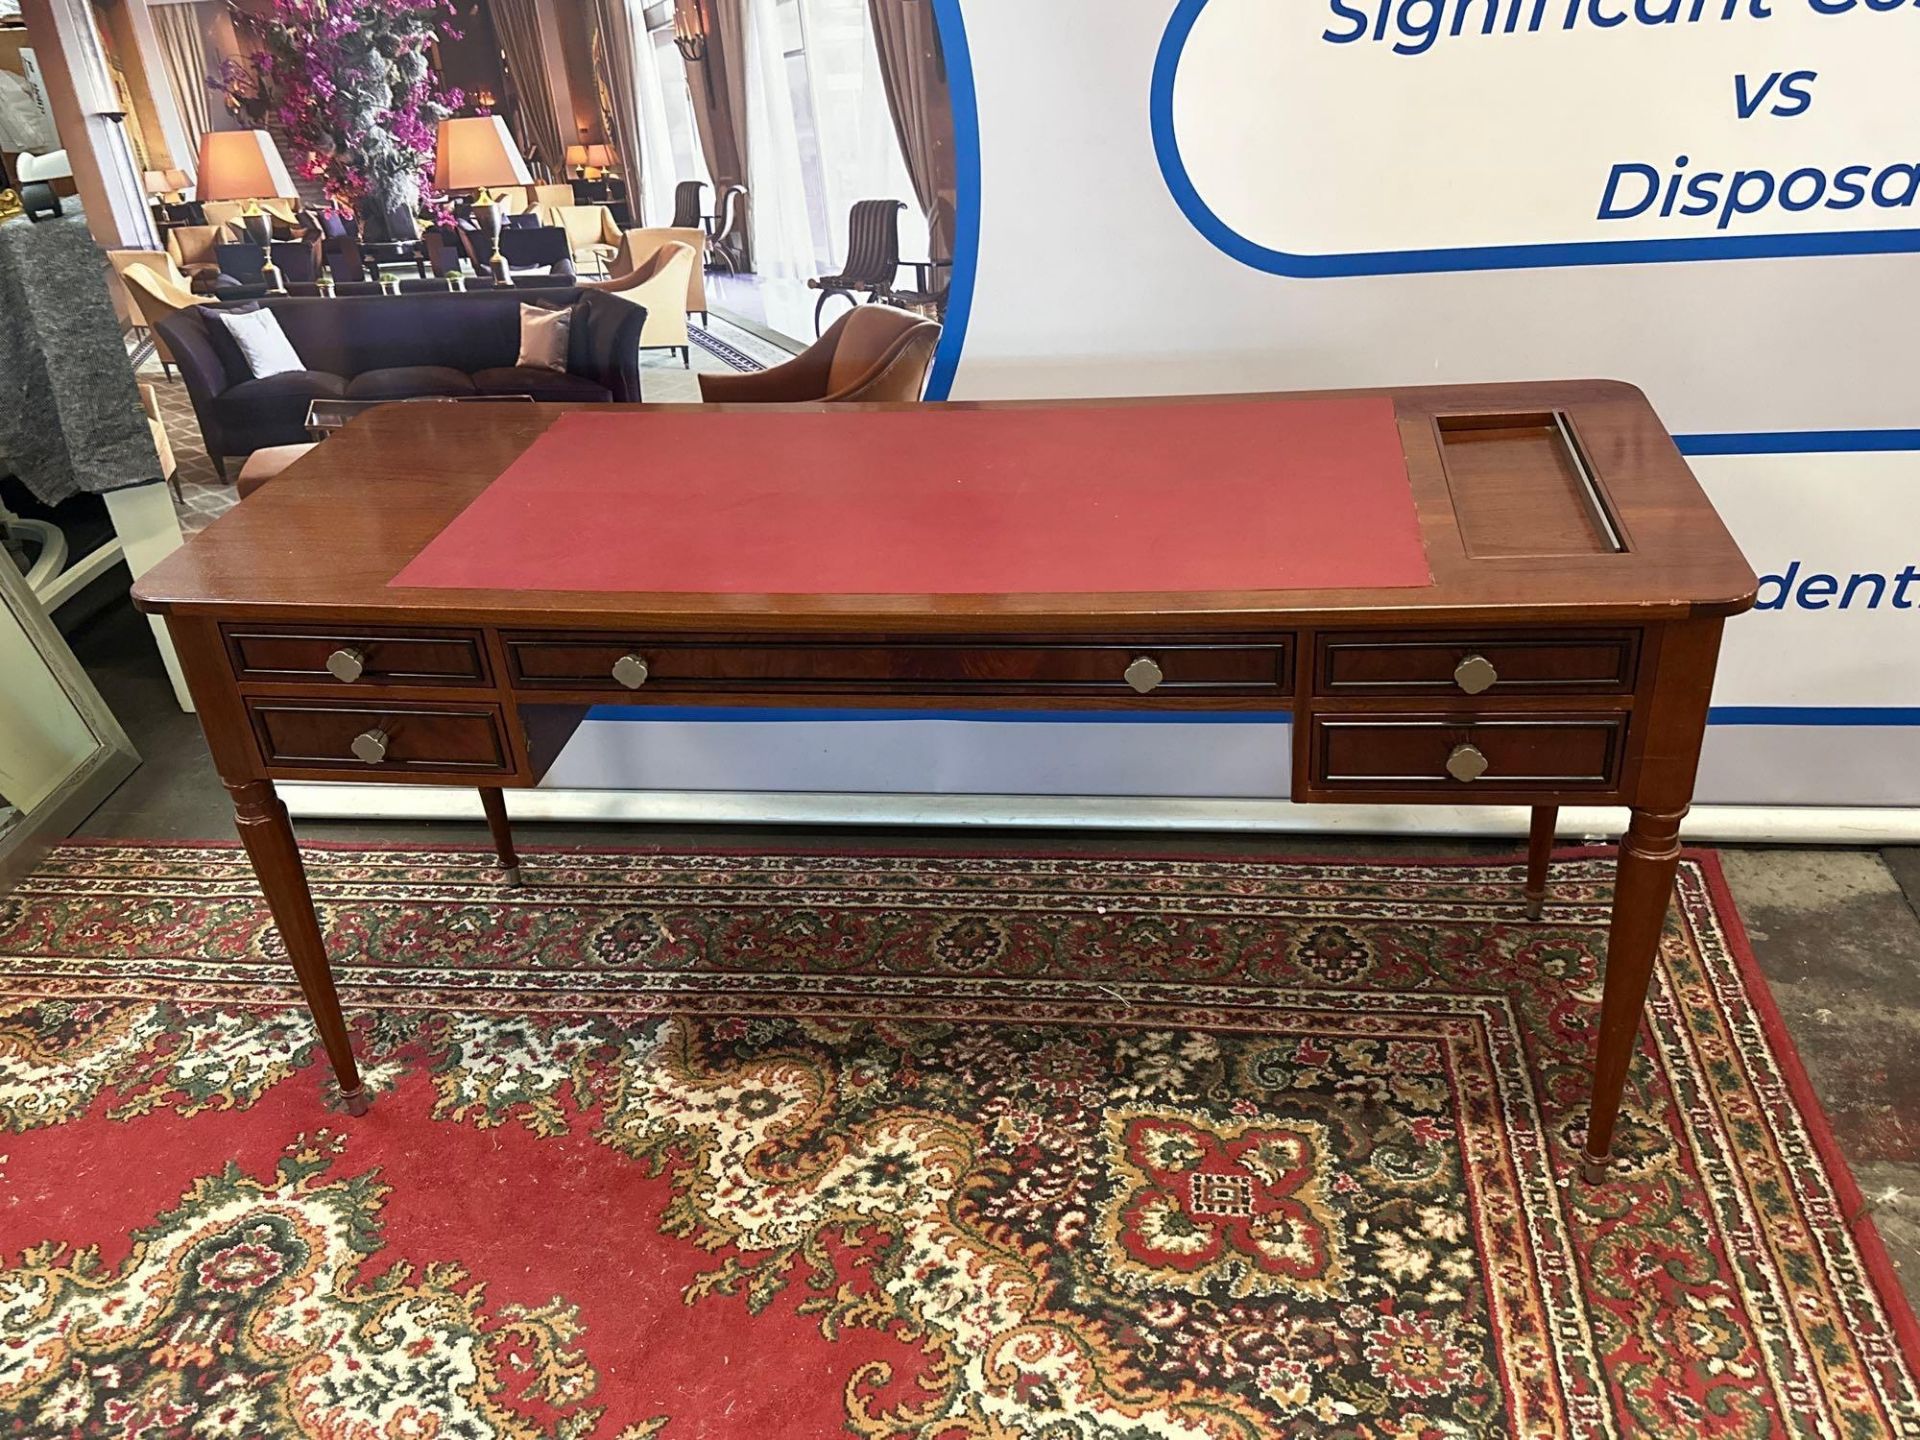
(592, 237)
(223, 214)
(158, 261)
(532, 199)
(157, 292)
(637, 247)
(660, 285)
(226, 214)
(150, 402)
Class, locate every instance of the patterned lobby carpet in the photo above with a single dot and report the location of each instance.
(797, 1145)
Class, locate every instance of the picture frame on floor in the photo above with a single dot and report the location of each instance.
(61, 750)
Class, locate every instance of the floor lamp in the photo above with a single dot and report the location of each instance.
(246, 165)
(475, 152)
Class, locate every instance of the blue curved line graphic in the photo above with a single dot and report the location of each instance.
(966, 203)
(1166, 146)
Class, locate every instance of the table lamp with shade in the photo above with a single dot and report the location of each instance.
(599, 161)
(245, 165)
(170, 186)
(577, 160)
(475, 152)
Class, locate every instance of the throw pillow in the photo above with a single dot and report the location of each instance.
(255, 340)
(544, 336)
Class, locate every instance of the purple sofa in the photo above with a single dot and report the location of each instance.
(398, 347)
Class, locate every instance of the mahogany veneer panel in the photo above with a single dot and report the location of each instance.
(1524, 752)
(325, 547)
(316, 735)
(1495, 464)
(585, 662)
(1416, 662)
(394, 657)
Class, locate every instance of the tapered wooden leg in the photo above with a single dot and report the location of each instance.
(268, 836)
(1539, 852)
(495, 804)
(1643, 888)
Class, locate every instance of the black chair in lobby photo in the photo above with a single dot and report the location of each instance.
(537, 248)
(296, 260)
(873, 256)
(731, 245)
(244, 263)
(686, 205)
(393, 238)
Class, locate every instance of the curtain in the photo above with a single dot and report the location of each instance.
(516, 24)
(718, 87)
(782, 236)
(907, 41)
(180, 30)
(657, 164)
(859, 156)
(620, 55)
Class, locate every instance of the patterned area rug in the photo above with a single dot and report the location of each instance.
(737, 347)
(798, 1145)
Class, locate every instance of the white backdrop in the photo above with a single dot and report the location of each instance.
(1792, 377)
(1815, 705)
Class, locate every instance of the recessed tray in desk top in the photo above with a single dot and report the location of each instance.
(1496, 465)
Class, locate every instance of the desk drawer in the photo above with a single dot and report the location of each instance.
(1466, 755)
(362, 740)
(1464, 663)
(306, 655)
(1231, 667)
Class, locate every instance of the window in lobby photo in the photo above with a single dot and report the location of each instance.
(813, 140)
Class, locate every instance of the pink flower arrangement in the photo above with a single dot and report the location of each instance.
(354, 96)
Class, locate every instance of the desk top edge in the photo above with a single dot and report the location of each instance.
(257, 562)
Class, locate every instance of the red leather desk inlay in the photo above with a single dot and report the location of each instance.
(1216, 495)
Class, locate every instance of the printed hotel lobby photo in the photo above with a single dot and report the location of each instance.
(959, 720)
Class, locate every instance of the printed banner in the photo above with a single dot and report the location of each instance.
(1455, 134)
(1712, 199)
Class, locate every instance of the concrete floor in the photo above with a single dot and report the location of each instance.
(1837, 932)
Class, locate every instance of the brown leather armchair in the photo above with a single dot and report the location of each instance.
(871, 353)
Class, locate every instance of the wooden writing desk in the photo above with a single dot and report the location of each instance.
(1562, 650)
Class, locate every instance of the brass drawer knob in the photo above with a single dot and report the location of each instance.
(631, 671)
(346, 664)
(1466, 763)
(370, 746)
(1475, 674)
(1144, 675)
